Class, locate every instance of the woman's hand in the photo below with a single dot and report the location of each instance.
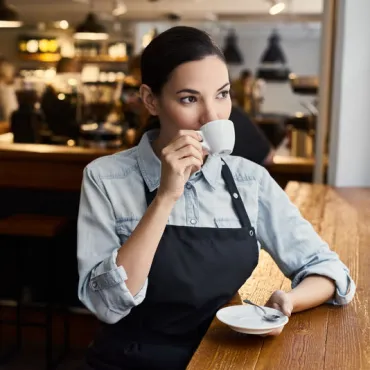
(179, 158)
(280, 301)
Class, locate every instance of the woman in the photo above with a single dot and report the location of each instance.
(167, 235)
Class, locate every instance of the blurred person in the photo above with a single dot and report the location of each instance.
(8, 98)
(61, 101)
(247, 92)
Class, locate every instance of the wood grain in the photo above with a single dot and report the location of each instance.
(32, 225)
(4, 127)
(51, 167)
(348, 339)
(326, 337)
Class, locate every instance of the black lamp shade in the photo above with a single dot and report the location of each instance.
(273, 62)
(274, 52)
(91, 29)
(9, 17)
(231, 51)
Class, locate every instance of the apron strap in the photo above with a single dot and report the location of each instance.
(235, 196)
(149, 196)
(231, 187)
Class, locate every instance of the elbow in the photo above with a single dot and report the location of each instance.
(100, 310)
(110, 317)
(342, 299)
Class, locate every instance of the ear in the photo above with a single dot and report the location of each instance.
(149, 99)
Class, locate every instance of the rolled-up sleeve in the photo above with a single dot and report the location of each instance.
(101, 288)
(293, 243)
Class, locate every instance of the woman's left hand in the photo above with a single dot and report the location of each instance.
(280, 301)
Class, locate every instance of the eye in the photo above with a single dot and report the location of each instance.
(223, 94)
(188, 100)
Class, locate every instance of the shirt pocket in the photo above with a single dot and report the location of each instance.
(227, 223)
(125, 227)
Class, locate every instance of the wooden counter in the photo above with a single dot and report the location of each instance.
(326, 337)
(4, 127)
(52, 167)
(36, 166)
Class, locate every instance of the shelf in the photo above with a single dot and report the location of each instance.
(46, 57)
(49, 57)
(102, 59)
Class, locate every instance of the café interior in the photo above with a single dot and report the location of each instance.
(69, 94)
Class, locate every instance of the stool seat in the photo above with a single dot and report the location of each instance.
(32, 225)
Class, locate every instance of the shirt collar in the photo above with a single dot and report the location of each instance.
(211, 170)
(150, 165)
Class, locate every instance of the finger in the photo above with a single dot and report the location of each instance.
(186, 151)
(182, 142)
(287, 308)
(184, 163)
(273, 333)
(191, 133)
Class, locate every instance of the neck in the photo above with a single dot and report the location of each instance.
(159, 144)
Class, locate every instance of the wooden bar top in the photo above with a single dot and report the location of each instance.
(53, 167)
(4, 127)
(326, 337)
(65, 153)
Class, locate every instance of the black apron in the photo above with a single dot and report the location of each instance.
(195, 271)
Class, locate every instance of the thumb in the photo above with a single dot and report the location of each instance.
(283, 304)
(286, 309)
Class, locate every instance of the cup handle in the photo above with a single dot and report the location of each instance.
(204, 143)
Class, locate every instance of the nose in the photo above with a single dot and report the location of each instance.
(209, 114)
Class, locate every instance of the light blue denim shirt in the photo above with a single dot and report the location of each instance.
(113, 202)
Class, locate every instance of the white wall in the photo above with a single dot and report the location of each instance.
(300, 42)
(350, 126)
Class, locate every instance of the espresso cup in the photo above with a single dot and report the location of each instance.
(218, 137)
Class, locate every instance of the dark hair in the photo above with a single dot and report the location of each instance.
(245, 73)
(172, 48)
(134, 63)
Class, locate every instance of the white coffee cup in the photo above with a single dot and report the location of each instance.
(218, 137)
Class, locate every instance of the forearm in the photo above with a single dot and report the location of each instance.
(311, 292)
(136, 255)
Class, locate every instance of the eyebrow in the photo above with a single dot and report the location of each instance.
(191, 91)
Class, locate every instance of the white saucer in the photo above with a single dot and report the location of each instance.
(247, 319)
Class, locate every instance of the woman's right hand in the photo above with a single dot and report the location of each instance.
(179, 158)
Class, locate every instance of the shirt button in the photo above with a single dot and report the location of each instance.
(188, 186)
(235, 195)
(197, 173)
(193, 221)
(94, 284)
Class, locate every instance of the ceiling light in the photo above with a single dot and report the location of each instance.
(273, 61)
(119, 9)
(63, 24)
(277, 7)
(90, 29)
(9, 17)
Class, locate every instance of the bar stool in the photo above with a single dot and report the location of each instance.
(18, 228)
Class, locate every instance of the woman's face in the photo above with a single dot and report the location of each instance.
(196, 93)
